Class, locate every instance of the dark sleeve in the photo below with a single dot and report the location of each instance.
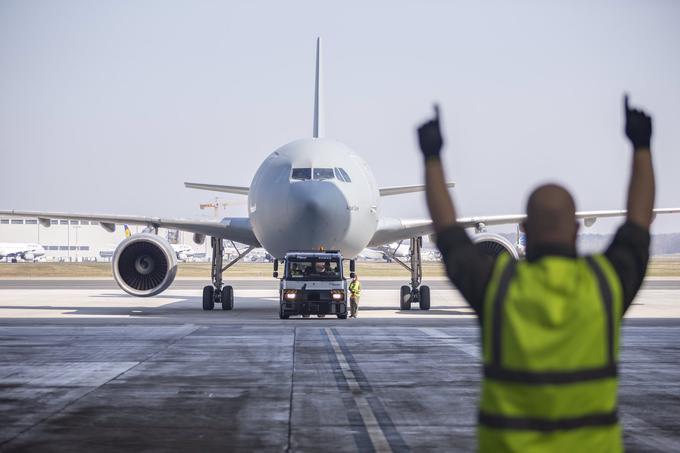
(468, 268)
(629, 254)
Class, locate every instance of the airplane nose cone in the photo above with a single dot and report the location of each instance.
(313, 205)
(319, 215)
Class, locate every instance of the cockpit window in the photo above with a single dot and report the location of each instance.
(323, 173)
(342, 175)
(301, 174)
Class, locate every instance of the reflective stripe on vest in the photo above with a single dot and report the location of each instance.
(522, 396)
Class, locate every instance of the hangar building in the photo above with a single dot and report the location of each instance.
(80, 240)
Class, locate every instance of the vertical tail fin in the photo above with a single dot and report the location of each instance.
(318, 105)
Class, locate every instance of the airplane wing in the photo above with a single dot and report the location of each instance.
(397, 190)
(392, 229)
(237, 229)
(238, 190)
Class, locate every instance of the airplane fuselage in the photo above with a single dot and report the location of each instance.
(314, 193)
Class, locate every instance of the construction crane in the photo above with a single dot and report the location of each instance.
(217, 204)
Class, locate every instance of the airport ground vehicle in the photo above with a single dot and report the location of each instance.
(312, 284)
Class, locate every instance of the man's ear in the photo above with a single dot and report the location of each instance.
(578, 225)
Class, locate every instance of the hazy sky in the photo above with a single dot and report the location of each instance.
(110, 106)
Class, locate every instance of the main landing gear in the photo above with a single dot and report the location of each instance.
(216, 293)
(414, 293)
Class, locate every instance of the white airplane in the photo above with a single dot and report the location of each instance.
(309, 194)
(432, 255)
(399, 249)
(372, 255)
(259, 255)
(15, 251)
(183, 251)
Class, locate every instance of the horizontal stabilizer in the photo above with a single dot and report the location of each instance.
(397, 190)
(239, 190)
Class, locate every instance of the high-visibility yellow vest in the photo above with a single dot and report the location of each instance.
(550, 338)
(355, 287)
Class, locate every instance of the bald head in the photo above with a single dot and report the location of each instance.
(551, 216)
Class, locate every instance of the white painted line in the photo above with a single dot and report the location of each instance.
(456, 342)
(375, 432)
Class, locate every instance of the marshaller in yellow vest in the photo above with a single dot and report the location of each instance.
(550, 348)
(551, 323)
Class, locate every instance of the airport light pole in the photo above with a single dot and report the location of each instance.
(76, 228)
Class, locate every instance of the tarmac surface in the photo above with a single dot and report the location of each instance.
(257, 283)
(90, 368)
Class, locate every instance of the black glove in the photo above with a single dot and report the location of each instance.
(638, 126)
(430, 137)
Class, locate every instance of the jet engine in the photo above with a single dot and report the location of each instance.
(28, 256)
(493, 244)
(144, 265)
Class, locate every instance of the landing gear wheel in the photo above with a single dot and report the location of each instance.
(342, 316)
(208, 294)
(282, 315)
(424, 298)
(405, 300)
(227, 298)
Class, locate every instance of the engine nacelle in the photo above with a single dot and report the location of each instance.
(144, 265)
(494, 244)
(28, 256)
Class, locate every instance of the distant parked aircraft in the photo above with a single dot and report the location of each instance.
(15, 251)
(369, 254)
(395, 250)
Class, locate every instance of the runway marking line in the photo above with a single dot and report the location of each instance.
(292, 392)
(375, 432)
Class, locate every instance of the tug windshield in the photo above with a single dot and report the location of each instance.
(313, 268)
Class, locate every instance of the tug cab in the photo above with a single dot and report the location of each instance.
(312, 284)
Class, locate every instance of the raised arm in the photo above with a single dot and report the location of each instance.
(439, 201)
(641, 188)
(467, 267)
